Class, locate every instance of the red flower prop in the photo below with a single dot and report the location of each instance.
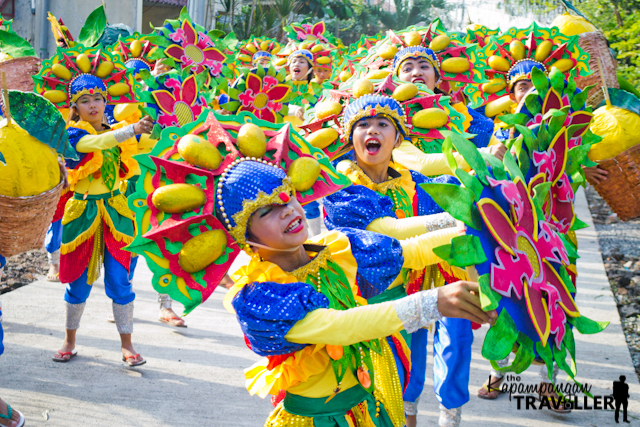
(263, 97)
(195, 49)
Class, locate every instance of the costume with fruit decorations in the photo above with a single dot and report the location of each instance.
(257, 51)
(513, 54)
(331, 374)
(97, 224)
(401, 209)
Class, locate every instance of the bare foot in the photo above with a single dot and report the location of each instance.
(4, 410)
(53, 275)
(168, 316)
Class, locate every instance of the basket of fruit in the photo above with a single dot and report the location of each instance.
(31, 138)
(618, 153)
(594, 42)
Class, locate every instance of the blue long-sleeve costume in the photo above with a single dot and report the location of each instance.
(357, 206)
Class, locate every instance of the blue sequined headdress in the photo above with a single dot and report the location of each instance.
(521, 70)
(246, 186)
(414, 52)
(372, 106)
(137, 65)
(260, 55)
(86, 84)
(301, 53)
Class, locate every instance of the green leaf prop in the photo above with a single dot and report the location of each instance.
(14, 45)
(578, 224)
(539, 80)
(512, 166)
(579, 99)
(570, 344)
(547, 355)
(470, 182)
(471, 155)
(540, 192)
(514, 119)
(488, 297)
(586, 326)
(42, 120)
(523, 359)
(571, 250)
(457, 201)
(93, 27)
(500, 338)
(557, 79)
(564, 275)
(462, 252)
(496, 166)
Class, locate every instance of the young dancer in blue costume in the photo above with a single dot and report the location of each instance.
(389, 201)
(300, 305)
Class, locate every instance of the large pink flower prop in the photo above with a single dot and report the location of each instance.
(553, 100)
(180, 106)
(310, 32)
(195, 49)
(259, 100)
(551, 165)
(522, 268)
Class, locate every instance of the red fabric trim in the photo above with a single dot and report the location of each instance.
(415, 285)
(277, 398)
(414, 204)
(115, 247)
(73, 264)
(57, 216)
(84, 161)
(353, 417)
(405, 362)
(277, 360)
(448, 278)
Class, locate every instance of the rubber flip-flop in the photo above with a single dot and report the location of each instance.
(10, 412)
(173, 321)
(55, 278)
(134, 357)
(71, 355)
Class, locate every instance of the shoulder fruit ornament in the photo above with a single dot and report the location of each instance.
(77, 71)
(513, 55)
(188, 237)
(137, 53)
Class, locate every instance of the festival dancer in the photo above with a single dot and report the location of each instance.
(389, 201)
(97, 223)
(301, 73)
(276, 233)
(257, 52)
(330, 373)
(135, 52)
(418, 64)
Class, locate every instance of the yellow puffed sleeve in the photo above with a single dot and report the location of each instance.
(91, 143)
(345, 327)
(418, 251)
(411, 157)
(400, 229)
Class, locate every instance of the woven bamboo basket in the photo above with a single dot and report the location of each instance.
(24, 220)
(621, 189)
(19, 72)
(595, 43)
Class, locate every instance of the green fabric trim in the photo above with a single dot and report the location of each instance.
(75, 228)
(332, 413)
(389, 295)
(457, 201)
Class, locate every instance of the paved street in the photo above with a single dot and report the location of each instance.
(194, 376)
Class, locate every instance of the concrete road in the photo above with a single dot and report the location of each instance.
(194, 376)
